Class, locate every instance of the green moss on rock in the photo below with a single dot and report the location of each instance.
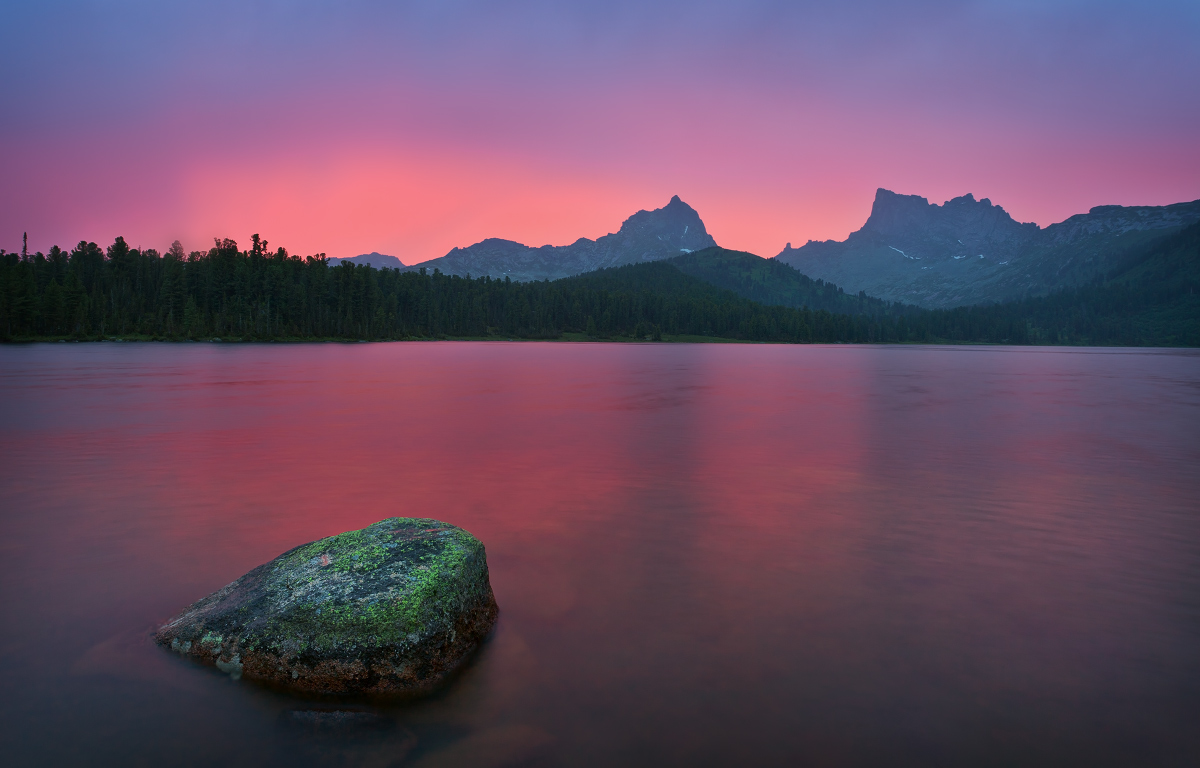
(395, 607)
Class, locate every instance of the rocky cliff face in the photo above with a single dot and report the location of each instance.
(645, 236)
(969, 251)
(960, 228)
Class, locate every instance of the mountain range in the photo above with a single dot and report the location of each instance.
(960, 253)
(645, 236)
(1151, 296)
(970, 251)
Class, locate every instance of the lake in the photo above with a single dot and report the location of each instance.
(717, 554)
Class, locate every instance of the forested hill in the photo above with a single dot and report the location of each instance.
(1151, 297)
(227, 293)
(90, 293)
(769, 281)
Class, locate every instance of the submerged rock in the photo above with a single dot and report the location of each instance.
(392, 608)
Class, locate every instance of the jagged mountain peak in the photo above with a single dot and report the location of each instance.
(645, 236)
(968, 199)
(894, 215)
(675, 213)
(969, 251)
(675, 228)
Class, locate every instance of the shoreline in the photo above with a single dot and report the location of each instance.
(575, 338)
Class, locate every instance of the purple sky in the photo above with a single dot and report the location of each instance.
(412, 128)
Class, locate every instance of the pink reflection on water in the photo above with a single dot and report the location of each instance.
(695, 548)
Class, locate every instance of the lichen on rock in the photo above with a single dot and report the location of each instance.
(392, 608)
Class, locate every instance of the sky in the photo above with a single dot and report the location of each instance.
(412, 128)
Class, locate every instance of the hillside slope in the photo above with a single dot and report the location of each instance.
(771, 282)
(1151, 297)
(972, 252)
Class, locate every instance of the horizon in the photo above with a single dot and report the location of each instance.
(969, 195)
(542, 125)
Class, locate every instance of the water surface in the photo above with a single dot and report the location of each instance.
(703, 554)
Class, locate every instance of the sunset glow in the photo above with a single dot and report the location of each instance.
(349, 128)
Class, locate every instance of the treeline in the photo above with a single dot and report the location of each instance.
(259, 294)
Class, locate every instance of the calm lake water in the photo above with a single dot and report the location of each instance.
(703, 554)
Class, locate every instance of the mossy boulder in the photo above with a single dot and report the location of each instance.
(392, 608)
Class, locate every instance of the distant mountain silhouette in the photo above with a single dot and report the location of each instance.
(969, 251)
(645, 236)
(377, 260)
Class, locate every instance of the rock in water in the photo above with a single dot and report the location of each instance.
(393, 608)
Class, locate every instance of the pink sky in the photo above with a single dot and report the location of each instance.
(362, 128)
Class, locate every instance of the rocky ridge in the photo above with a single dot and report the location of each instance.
(645, 236)
(969, 251)
(373, 259)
